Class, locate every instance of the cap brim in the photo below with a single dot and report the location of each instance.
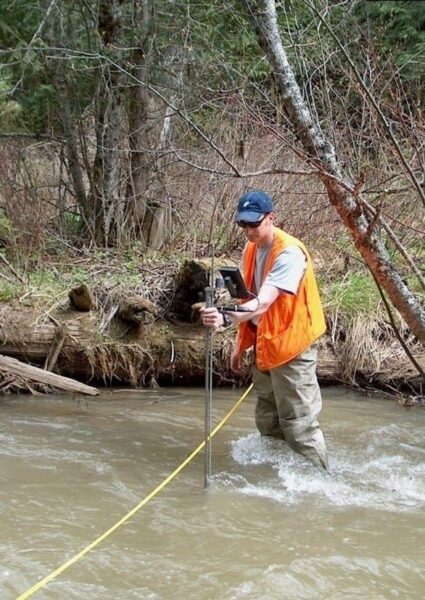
(249, 216)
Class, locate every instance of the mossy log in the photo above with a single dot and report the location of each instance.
(160, 351)
(163, 352)
(134, 342)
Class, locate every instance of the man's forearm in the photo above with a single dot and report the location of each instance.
(260, 305)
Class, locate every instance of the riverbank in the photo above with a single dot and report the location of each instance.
(134, 321)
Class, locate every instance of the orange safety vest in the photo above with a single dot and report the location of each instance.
(293, 322)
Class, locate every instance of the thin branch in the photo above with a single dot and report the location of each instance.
(376, 217)
(5, 277)
(7, 263)
(396, 330)
(242, 174)
(34, 136)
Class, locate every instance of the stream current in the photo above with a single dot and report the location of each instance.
(269, 526)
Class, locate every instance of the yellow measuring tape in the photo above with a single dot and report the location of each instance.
(134, 510)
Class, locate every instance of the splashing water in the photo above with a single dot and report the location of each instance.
(374, 473)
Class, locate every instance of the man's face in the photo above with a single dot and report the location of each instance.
(262, 232)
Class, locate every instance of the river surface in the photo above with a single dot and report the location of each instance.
(269, 526)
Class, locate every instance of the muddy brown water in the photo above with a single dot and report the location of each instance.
(269, 526)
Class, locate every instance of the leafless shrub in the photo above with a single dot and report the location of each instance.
(29, 183)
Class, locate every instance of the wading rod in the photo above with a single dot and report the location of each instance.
(209, 301)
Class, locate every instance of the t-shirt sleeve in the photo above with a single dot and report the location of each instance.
(288, 270)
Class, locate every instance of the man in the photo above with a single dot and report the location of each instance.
(285, 322)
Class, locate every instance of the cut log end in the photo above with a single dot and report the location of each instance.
(81, 298)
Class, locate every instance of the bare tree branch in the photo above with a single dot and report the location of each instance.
(373, 102)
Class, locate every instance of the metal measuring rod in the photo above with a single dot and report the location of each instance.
(209, 302)
(233, 280)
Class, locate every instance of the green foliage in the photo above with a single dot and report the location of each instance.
(9, 291)
(6, 228)
(398, 30)
(17, 26)
(37, 106)
(132, 258)
(10, 110)
(216, 42)
(73, 223)
(46, 280)
(32, 69)
(354, 294)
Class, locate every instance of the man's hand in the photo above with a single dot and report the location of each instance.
(211, 317)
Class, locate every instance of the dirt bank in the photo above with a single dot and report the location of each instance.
(118, 336)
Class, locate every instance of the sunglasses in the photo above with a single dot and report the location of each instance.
(252, 225)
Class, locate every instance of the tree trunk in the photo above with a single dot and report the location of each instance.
(341, 191)
(138, 180)
(106, 208)
(139, 116)
(71, 145)
(157, 225)
(62, 77)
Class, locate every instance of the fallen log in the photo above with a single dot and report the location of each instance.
(169, 353)
(15, 367)
(126, 339)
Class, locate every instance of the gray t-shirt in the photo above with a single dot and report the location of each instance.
(287, 270)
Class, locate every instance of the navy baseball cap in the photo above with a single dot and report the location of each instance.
(253, 206)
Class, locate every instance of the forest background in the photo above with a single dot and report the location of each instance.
(129, 128)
